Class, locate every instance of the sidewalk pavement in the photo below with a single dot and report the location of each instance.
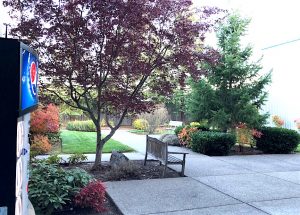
(227, 185)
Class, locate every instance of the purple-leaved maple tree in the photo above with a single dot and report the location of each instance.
(101, 55)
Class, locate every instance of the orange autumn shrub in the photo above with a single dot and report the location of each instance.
(40, 144)
(185, 135)
(246, 135)
(278, 121)
(45, 119)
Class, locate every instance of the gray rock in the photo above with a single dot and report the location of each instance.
(171, 139)
(118, 158)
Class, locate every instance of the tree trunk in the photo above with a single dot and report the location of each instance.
(99, 148)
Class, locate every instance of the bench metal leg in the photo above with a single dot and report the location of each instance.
(165, 170)
(183, 166)
(145, 159)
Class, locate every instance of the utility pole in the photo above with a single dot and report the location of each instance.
(6, 29)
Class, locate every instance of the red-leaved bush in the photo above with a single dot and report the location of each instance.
(45, 119)
(40, 144)
(92, 196)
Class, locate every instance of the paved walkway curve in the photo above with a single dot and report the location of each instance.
(227, 185)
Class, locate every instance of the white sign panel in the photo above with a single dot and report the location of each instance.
(22, 175)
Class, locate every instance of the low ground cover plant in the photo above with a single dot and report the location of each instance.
(277, 140)
(212, 143)
(52, 188)
(77, 158)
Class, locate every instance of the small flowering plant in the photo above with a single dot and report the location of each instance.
(278, 121)
(185, 135)
(246, 135)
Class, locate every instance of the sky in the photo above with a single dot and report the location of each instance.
(273, 22)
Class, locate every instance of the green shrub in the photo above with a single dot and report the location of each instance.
(51, 187)
(54, 138)
(178, 129)
(140, 124)
(87, 125)
(277, 140)
(77, 158)
(78, 177)
(54, 159)
(212, 143)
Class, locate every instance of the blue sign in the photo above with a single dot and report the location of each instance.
(29, 80)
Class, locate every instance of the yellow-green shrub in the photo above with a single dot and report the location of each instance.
(140, 124)
(87, 125)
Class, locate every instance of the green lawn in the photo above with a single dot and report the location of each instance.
(85, 142)
(298, 148)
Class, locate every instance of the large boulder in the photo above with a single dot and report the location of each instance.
(117, 159)
(171, 139)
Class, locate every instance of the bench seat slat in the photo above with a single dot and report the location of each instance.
(174, 160)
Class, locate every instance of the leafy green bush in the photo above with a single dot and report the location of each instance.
(202, 125)
(51, 187)
(77, 158)
(54, 159)
(87, 125)
(140, 124)
(277, 140)
(212, 143)
(78, 177)
(178, 129)
(54, 138)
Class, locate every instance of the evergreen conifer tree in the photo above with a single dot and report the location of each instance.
(234, 90)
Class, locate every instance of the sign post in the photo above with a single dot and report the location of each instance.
(18, 97)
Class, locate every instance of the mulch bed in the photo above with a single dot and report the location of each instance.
(246, 150)
(134, 171)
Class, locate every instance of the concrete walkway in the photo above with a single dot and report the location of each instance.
(229, 185)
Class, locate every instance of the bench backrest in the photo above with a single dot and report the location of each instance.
(157, 149)
(175, 123)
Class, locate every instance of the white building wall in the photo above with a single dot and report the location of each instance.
(284, 92)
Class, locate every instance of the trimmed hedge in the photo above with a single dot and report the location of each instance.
(87, 125)
(277, 140)
(212, 143)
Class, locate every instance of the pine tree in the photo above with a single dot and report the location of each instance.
(234, 91)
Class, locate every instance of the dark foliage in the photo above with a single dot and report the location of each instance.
(212, 143)
(277, 140)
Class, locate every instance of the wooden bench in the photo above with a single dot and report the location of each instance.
(159, 150)
(173, 124)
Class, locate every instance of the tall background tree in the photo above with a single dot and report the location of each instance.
(234, 89)
(99, 56)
